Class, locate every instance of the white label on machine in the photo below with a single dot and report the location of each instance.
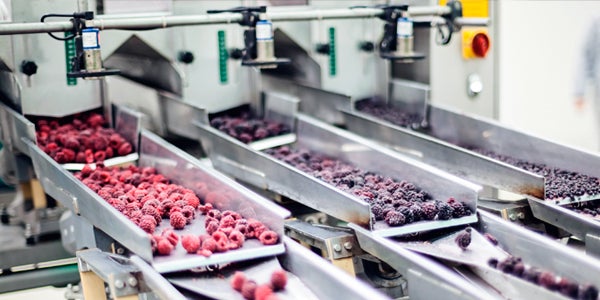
(264, 30)
(89, 38)
(405, 27)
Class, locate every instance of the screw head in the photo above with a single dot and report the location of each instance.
(120, 250)
(337, 247)
(119, 284)
(132, 281)
(348, 245)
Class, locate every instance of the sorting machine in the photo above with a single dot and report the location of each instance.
(163, 84)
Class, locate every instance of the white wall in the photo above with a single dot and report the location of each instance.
(538, 46)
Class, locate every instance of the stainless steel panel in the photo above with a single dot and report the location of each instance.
(409, 95)
(128, 124)
(73, 194)
(541, 251)
(315, 135)
(326, 281)
(427, 279)
(14, 127)
(449, 157)
(178, 116)
(281, 107)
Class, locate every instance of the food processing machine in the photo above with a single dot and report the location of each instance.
(352, 239)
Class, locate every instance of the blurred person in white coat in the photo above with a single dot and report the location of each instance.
(588, 70)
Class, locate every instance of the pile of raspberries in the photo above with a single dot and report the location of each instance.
(396, 202)
(80, 139)
(247, 129)
(146, 197)
(250, 290)
(515, 267)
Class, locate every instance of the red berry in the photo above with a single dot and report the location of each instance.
(204, 252)
(177, 220)
(171, 236)
(269, 238)
(124, 149)
(164, 247)
(248, 289)
(209, 244)
(237, 238)
(262, 292)
(190, 242)
(279, 279)
(238, 280)
(191, 200)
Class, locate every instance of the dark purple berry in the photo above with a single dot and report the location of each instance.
(430, 210)
(463, 239)
(445, 211)
(394, 218)
(587, 292)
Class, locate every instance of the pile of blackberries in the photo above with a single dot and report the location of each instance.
(396, 202)
(247, 129)
(559, 183)
(514, 266)
(386, 112)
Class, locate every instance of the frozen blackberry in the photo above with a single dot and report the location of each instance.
(531, 274)
(417, 212)
(394, 218)
(377, 211)
(518, 269)
(458, 209)
(445, 211)
(492, 262)
(587, 292)
(463, 239)
(407, 212)
(430, 210)
(568, 288)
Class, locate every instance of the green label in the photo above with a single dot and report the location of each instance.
(69, 54)
(332, 58)
(223, 56)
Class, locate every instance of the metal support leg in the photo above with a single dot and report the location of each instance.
(92, 285)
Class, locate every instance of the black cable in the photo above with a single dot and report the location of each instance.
(59, 16)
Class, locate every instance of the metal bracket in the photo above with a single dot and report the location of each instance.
(336, 243)
(592, 244)
(122, 278)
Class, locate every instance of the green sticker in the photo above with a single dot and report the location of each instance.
(223, 56)
(69, 54)
(332, 58)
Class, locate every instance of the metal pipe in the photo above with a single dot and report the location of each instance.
(472, 21)
(165, 21)
(328, 14)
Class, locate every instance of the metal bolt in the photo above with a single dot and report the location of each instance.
(348, 245)
(120, 250)
(119, 284)
(337, 247)
(521, 216)
(132, 281)
(512, 217)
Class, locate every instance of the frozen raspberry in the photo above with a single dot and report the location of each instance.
(209, 244)
(190, 242)
(95, 120)
(242, 229)
(164, 247)
(430, 210)
(109, 152)
(212, 227)
(177, 220)
(225, 230)
(220, 236)
(236, 216)
(248, 289)
(171, 236)
(394, 218)
(262, 292)
(72, 143)
(204, 252)
(227, 221)
(256, 228)
(214, 213)
(237, 238)
(222, 246)
(80, 157)
(238, 280)
(463, 239)
(204, 209)
(124, 149)
(192, 200)
(148, 224)
(189, 213)
(268, 237)
(278, 279)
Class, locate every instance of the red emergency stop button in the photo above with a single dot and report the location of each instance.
(480, 44)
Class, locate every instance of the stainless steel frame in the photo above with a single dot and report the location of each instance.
(242, 162)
